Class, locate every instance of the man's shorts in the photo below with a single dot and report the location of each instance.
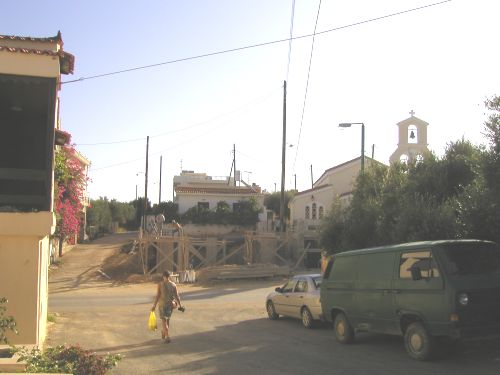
(165, 311)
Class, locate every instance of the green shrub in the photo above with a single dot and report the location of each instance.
(72, 359)
(7, 323)
(51, 318)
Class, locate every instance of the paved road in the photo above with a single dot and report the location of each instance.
(224, 331)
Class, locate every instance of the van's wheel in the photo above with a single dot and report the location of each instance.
(418, 342)
(343, 330)
(271, 312)
(307, 318)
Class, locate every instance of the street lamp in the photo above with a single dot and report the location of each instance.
(348, 125)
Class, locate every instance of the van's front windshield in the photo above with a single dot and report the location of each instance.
(464, 259)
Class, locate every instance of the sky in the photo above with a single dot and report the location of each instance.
(440, 61)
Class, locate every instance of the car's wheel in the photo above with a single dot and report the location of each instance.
(418, 342)
(271, 312)
(307, 318)
(343, 330)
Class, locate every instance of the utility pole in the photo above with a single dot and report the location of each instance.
(234, 163)
(283, 158)
(312, 180)
(295, 177)
(146, 186)
(373, 151)
(362, 148)
(159, 193)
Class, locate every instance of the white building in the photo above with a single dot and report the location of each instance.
(308, 207)
(199, 190)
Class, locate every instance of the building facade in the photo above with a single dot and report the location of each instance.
(200, 190)
(30, 78)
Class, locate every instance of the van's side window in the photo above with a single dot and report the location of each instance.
(420, 259)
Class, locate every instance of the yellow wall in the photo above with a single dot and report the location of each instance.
(26, 64)
(24, 254)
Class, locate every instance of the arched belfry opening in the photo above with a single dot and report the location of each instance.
(412, 134)
(412, 143)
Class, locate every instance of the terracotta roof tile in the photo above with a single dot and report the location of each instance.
(29, 50)
(53, 39)
(215, 190)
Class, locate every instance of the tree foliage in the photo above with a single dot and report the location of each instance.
(103, 212)
(273, 202)
(480, 208)
(7, 322)
(245, 212)
(437, 198)
(168, 209)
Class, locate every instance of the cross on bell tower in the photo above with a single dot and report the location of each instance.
(412, 144)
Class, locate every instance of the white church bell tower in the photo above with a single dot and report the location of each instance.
(412, 143)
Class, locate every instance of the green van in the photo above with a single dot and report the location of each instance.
(419, 290)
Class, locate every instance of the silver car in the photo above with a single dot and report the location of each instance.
(298, 298)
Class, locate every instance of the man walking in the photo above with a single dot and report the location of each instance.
(167, 299)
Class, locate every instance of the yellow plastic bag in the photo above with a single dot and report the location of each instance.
(152, 321)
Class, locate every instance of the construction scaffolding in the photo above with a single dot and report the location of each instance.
(184, 254)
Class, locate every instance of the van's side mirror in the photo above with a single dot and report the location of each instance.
(278, 289)
(416, 273)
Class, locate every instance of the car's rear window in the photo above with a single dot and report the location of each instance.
(472, 259)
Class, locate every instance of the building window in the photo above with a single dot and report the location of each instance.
(321, 212)
(314, 216)
(203, 206)
(308, 212)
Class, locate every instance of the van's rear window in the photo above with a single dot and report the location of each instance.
(472, 259)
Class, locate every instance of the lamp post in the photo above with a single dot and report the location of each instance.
(348, 125)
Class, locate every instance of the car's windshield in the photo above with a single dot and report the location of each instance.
(472, 258)
(317, 281)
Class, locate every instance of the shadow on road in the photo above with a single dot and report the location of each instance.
(266, 347)
(228, 288)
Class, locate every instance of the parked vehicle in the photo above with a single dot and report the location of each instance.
(298, 298)
(421, 291)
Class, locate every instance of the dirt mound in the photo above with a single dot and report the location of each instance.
(124, 265)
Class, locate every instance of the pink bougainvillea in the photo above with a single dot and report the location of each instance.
(70, 184)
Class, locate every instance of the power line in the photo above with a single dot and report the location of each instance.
(163, 150)
(307, 86)
(255, 45)
(255, 102)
